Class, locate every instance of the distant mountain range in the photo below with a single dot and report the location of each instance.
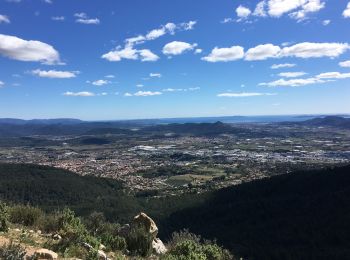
(10, 127)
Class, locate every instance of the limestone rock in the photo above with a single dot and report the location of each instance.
(143, 220)
(158, 246)
(45, 254)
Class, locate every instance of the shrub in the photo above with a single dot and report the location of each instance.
(12, 252)
(4, 217)
(49, 223)
(95, 222)
(73, 232)
(139, 241)
(114, 243)
(25, 215)
(187, 246)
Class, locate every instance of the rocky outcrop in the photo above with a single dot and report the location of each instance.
(150, 226)
(45, 254)
(143, 220)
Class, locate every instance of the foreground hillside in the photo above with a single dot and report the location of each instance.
(303, 215)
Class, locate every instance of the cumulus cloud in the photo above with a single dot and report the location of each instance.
(262, 52)
(300, 8)
(1, 83)
(58, 18)
(243, 12)
(177, 48)
(79, 94)
(147, 55)
(4, 19)
(244, 94)
(345, 64)
(315, 50)
(296, 9)
(110, 76)
(225, 54)
(23, 50)
(346, 13)
(84, 19)
(100, 82)
(283, 65)
(54, 74)
(130, 52)
(143, 94)
(292, 74)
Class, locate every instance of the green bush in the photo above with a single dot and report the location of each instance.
(25, 215)
(73, 232)
(4, 217)
(12, 252)
(114, 243)
(192, 249)
(49, 223)
(139, 241)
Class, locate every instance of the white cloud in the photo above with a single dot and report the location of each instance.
(260, 9)
(139, 85)
(194, 88)
(326, 22)
(58, 18)
(243, 12)
(177, 48)
(292, 74)
(315, 50)
(143, 94)
(1, 83)
(225, 54)
(227, 20)
(172, 90)
(345, 64)
(54, 74)
(333, 75)
(147, 93)
(262, 52)
(198, 51)
(110, 76)
(147, 55)
(283, 65)
(48, 1)
(23, 50)
(79, 94)
(244, 94)
(346, 12)
(4, 19)
(84, 19)
(310, 6)
(130, 52)
(301, 8)
(318, 79)
(292, 82)
(100, 82)
(155, 75)
(188, 26)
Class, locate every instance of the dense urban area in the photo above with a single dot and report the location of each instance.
(174, 158)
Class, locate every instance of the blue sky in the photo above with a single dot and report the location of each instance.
(113, 59)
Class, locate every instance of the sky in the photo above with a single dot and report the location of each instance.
(131, 59)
